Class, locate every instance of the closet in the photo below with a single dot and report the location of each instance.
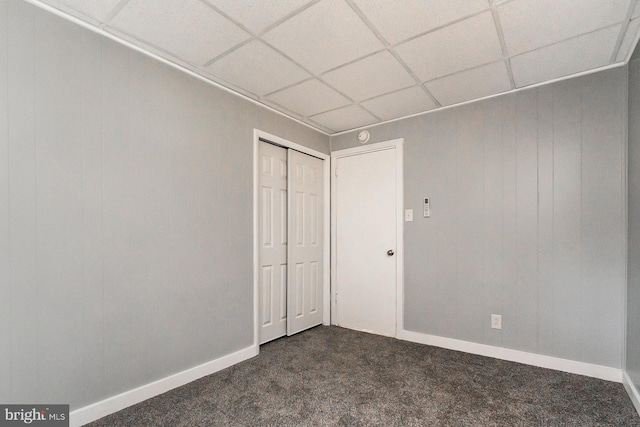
(290, 211)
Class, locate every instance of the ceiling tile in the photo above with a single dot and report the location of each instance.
(257, 68)
(628, 41)
(255, 18)
(572, 56)
(346, 118)
(308, 98)
(369, 77)
(187, 29)
(414, 17)
(324, 36)
(399, 104)
(555, 20)
(463, 45)
(471, 84)
(97, 9)
(452, 45)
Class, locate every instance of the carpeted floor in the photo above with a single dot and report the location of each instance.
(329, 376)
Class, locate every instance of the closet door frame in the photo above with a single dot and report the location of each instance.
(326, 235)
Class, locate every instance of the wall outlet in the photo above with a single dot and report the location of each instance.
(496, 321)
(408, 215)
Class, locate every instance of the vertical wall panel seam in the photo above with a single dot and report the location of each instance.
(624, 238)
(537, 93)
(129, 197)
(516, 285)
(104, 350)
(502, 216)
(553, 221)
(35, 189)
(456, 210)
(9, 264)
(513, 286)
(82, 216)
(458, 207)
(484, 233)
(581, 350)
(82, 219)
(145, 186)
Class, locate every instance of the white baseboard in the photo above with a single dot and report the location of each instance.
(550, 362)
(632, 391)
(113, 404)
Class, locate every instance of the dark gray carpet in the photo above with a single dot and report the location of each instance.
(332, 376)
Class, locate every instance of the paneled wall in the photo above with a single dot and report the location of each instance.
(125, 214)
(633, 276)
(527, 219)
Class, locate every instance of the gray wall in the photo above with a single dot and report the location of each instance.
(633, 252)
(528, 208)
(125, 214)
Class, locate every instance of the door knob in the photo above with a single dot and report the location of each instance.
(390, 252)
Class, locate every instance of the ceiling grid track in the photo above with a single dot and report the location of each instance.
(227, 52)
(315, 77)
(623, 31)
(387, 45)
(266, 30)
(116, 10)
(503, 45)
(289, 16)
(439, 27)
(376, 61)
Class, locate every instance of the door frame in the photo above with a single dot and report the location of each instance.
(396, 144)
(326, 286)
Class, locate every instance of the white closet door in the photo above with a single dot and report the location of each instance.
(305, 249)
(273, 242)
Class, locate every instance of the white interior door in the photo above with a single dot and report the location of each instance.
(366, 238)
(305, 249)
(273, 241)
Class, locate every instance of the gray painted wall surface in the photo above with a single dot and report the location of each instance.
(125, 214)
(633, 249)
(527, 219)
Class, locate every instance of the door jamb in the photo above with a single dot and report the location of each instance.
(257, 135)
(396, 144)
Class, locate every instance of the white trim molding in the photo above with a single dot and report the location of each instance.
(398, 146)
(533, 359)
(97, 410)
(632, 391)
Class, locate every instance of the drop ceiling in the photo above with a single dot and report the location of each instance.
(343, 64)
